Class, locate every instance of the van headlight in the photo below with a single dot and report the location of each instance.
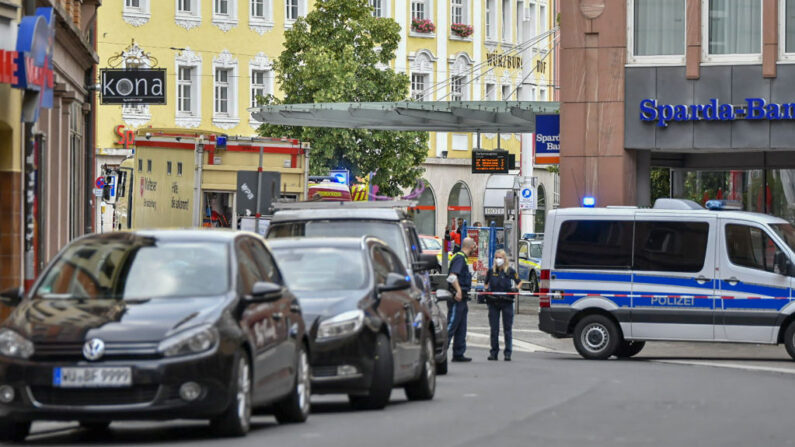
(192, 341)
(15, 345)
(346, 323)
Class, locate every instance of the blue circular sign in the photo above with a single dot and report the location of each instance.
(527, 193)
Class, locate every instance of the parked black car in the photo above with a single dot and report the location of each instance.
(387, 221)
(368, 329)
(155, 325)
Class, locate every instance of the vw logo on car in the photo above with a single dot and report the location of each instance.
(94, 349)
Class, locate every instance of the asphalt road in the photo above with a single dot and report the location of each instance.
(673, 394)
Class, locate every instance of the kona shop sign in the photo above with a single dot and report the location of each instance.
(753, 109)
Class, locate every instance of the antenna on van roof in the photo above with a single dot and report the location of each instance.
(676, 204)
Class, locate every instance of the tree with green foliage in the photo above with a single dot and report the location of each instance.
(660, 183)
(338, 53)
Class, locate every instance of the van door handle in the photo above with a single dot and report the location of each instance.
(702, 279)
(732, 281)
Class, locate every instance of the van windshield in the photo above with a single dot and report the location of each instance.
(786, 232)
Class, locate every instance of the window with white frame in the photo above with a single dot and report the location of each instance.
(260, 17)
(657, 31)
(420, 9)
(380, 8)
(787, 29)
(458, 11)
(185, 91)
(419, 82)
(460, 69)
(293, 9)
(506, 92)
(491, 25)
(261, 81)
(188, 70)
(457, 85)
(136, 12)
(491, 92)
(222, 91)
(542, 94)
(542, 18)
(225, 14)
(732, 30)
(520, 11)
(530, 21)
(188, 13)
(506, 20)
(221, 7)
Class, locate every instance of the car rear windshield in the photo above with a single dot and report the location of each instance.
(389, 232)
(321, 268)
(786, 232)
(114, 270)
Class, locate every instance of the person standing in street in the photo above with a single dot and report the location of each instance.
(460, 280)
(501, 278)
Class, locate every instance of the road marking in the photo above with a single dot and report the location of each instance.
(531, 331)
(728, 365)
(518, 345)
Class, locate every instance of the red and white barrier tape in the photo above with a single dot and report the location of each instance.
(629, 295)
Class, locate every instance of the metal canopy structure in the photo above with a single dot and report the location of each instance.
(454, 116)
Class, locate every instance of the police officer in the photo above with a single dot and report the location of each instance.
(500, 279)
(460, 280)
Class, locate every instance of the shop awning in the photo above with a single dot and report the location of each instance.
(454, 116)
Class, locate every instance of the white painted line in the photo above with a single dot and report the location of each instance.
(729, 365)
(518, 345)
(479, 328)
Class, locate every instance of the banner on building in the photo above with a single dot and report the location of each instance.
(136, 86)
(546, 150)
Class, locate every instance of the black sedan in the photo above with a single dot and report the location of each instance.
(369, 331)
(155, 325)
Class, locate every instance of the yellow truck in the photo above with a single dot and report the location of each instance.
(191, 179)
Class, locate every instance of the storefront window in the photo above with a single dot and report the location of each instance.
(735, 27)
(425, 212)
(659, 27)
(459, 204)
(747, 188)
(541, 209)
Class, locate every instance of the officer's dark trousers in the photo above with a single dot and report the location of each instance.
(505, 308)
(457, 325)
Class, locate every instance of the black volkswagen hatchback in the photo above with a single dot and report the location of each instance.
(155, 325)
(369, 329)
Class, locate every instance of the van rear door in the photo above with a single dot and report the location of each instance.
(751, 288)
(673, 277)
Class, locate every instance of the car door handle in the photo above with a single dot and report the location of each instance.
(295, 307)
(406, 306)
(702, 280)
(732, 281)
(278, 316)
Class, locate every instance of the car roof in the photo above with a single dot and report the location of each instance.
(385, 214)
(647, 212)
(322, 242)
(171, 235)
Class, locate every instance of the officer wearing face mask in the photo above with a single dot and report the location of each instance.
(501, 278)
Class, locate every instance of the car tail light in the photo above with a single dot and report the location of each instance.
(543, 289)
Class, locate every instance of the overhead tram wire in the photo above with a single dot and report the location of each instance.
(517, 49)
(555, 42)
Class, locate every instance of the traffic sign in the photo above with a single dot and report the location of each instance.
(100, 182)
(98, 192)
(527, 197)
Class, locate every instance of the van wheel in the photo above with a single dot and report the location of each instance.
(789, 339)
(383, 377)
(627, 349)
(533, 286)
(596, 337)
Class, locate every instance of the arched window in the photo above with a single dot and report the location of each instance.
(541, 211)
(459, 77)
(425, 211)
(421, 66)
(459, 204)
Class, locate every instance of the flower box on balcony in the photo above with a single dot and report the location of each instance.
(461, 30)
(423, 26)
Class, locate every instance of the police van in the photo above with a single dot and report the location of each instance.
(613, 278)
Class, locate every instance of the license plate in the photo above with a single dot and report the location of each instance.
(92, 377)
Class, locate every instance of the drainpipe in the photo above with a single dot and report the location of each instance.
(198, 160)
(259, 186)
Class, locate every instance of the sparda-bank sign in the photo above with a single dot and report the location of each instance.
(753, 109)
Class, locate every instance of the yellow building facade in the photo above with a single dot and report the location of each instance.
(218, 55)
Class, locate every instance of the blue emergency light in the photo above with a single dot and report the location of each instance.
(220, 141)
(340, 176)
(588, 202)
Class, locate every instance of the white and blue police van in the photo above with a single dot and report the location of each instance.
(613, 278)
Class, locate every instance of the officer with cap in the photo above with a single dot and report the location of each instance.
(460, 280)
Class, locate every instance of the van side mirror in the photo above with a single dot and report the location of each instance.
(783, 264)
(11, 297)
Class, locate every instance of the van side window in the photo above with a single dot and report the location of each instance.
(670, 246)
(595, 244)
(751, 247)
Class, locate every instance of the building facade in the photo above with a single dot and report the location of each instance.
(46, 131)
(219, 55)
(696, 92)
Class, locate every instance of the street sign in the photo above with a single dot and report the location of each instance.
(100, 182)
(527, 197)
(133, 86)
(490, 162)
(98, 192)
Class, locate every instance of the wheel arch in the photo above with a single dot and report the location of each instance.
(593, 311)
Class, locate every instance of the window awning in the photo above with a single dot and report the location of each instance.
(455, 116)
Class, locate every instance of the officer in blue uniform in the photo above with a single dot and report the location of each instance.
(501, 279)
(460, 280)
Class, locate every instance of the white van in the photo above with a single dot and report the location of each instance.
(617, 277)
